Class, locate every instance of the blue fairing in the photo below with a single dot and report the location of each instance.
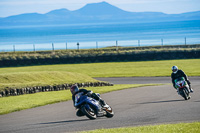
(85, 99)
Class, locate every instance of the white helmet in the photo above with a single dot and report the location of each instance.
(175, 69)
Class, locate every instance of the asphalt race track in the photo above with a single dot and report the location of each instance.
(132, 107)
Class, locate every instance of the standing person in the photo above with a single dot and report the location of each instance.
(177, 73)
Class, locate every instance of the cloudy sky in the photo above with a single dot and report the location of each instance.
(15, 7)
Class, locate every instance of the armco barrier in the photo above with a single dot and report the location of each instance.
(31, 90)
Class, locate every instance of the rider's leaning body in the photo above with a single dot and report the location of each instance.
(177, 73)
(75, 90)
(84, 91)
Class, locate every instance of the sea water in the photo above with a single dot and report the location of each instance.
(29, 38)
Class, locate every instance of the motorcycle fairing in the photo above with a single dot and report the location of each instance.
(80, 99)
(180, 82)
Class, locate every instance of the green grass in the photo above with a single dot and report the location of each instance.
(32, 78)
(117, 69)
(21, 102)
(193, 127)
(19, 77)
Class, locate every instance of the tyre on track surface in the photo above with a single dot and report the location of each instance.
(109, 112)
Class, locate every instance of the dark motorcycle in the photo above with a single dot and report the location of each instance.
(91, 107)
(183, 88)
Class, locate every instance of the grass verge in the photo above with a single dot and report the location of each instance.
(17, 103)
(31, 79)
(117, 69)
(193, 127)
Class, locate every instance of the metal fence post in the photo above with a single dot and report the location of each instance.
(96, 45)
(78, 46)
(117, 45)
(138, 43)
(34, 47)
(185, 41)
(52, 46)
(13, 48)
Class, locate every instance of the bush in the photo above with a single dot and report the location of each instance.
(100, 55)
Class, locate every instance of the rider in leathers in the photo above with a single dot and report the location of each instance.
(74, 90)
(177, 73)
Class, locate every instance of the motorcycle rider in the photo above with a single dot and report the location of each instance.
(177, 73)
(74, 90)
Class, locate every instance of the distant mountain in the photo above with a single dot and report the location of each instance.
(100, 9)
(94, 13)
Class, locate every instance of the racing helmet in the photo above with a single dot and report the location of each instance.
(74, 89)
(174, 69)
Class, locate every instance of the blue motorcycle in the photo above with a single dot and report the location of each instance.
(91, 107)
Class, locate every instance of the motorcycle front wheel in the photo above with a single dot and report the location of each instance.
(109, 112)
(185, 94)
(89, 112)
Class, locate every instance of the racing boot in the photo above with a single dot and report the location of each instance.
(79, 113)
(190, 88)
(103, 103)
